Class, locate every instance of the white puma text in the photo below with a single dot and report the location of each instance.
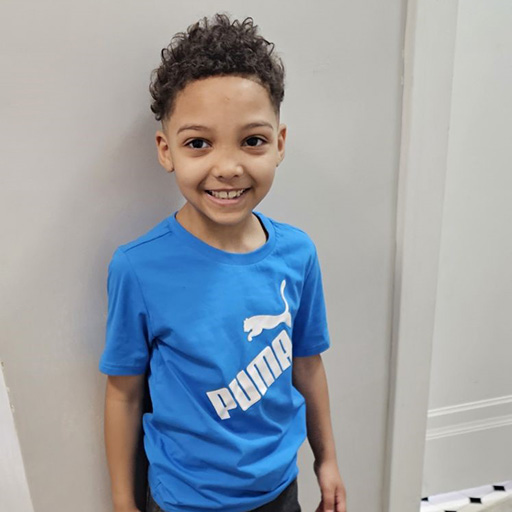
(246, 392)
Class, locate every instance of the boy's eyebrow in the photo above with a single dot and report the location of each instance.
(191, 127)
(256, 124)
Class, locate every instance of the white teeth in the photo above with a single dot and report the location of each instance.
(227, 195)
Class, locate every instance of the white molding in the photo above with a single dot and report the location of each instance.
(469, 406)
(469, 417)
(470, 427)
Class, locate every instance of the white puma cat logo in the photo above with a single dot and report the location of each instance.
(256, 324)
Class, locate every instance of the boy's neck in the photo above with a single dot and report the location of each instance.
(245, 237)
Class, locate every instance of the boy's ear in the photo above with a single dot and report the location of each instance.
(164, 153)
(281, 139)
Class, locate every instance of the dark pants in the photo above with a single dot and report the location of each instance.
(287, 501)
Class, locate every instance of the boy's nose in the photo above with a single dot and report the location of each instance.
(227, 168)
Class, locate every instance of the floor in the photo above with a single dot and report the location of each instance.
(492, 498)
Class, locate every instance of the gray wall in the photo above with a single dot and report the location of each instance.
(80, 176)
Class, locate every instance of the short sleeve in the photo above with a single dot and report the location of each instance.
(127, 339)
(310, 334)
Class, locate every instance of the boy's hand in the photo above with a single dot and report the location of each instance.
(334, 496)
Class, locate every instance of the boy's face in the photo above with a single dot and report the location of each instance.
(223, 134)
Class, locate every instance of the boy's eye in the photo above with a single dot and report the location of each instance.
(196, 144)
(253, 141)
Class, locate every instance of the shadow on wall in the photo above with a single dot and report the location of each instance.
(141, 461)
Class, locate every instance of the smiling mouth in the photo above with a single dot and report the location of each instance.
(232, 194)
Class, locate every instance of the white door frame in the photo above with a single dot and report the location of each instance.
(431, 28)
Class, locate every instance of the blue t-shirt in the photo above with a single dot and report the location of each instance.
(216, 332)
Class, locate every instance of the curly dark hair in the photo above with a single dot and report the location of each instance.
(216, 47)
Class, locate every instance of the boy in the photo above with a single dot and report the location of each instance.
(221, 305)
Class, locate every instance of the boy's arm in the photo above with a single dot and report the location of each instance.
(123, 412)
(308, 376)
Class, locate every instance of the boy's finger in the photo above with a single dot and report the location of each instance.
(341, 504)
(328, 500)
